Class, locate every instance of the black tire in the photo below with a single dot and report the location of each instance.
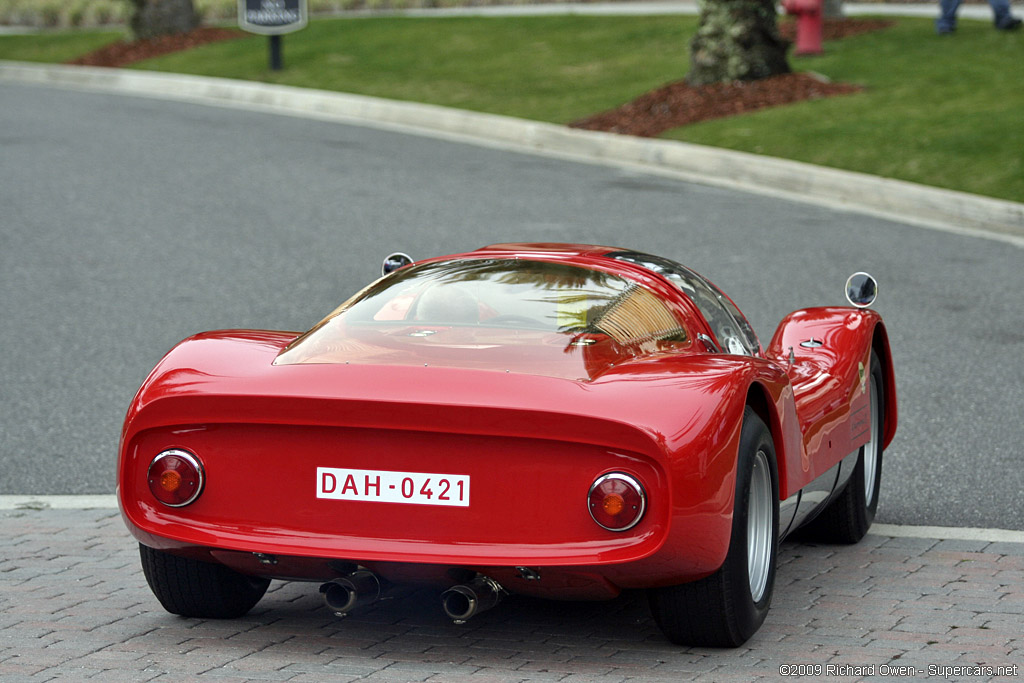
(725, 609)
(849, 516)
(199, 589)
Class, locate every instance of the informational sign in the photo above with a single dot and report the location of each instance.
(272, 17)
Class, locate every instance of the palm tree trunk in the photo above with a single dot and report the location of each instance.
(737, 40)
(153, 18)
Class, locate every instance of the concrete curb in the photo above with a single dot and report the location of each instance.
(892, 199)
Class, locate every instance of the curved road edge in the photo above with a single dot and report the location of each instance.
(897, 200)
(95, 502)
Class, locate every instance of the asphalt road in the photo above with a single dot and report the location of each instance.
(127, 224)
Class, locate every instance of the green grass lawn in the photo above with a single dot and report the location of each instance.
(941, 111)
(546, 68)
(54, 47)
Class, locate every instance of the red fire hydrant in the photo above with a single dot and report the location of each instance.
(808, 25)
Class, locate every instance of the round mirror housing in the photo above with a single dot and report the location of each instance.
(394, 261)
(861, 290)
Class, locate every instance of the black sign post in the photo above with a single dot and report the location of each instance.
(272, 18)
(276, 63)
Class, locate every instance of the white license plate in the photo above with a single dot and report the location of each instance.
(381, 486)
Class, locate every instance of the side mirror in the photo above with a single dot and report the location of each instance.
(395, 261)
(861, 290)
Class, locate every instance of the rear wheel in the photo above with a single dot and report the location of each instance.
(726, 608)
(848, 517)
(199, 589)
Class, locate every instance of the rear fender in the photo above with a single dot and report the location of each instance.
(710, 393)
(771, 397)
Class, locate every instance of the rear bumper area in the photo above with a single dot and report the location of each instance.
(510, 500)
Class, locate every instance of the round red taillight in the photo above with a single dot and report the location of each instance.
(616, 501)
(175, 477)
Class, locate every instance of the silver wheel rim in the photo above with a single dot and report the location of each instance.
(871, 449)
(759, 526)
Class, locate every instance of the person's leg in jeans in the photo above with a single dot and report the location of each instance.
(1001, 14)
(946, 23)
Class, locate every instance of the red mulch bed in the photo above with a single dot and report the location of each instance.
(670, 106)
(678, 104)
(123, 54)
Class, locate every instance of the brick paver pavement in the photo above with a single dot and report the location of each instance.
(74, 605)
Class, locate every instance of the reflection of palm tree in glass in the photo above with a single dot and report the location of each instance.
(573, 294)
(538, 274)
(581, 301)
(514, 293)
(635, 316)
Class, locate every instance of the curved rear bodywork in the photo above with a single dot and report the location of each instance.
(428, 448)
(528, 446)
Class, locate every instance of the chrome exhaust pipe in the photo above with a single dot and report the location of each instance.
(468, 599)
(361, 587)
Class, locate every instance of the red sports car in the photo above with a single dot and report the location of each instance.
(564, 421)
